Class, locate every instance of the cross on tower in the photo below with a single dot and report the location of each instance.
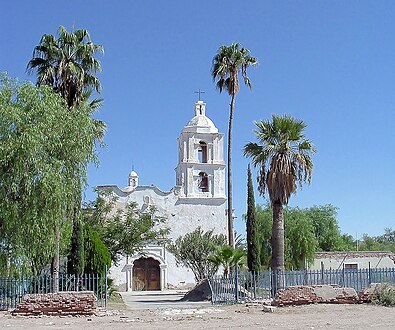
(199, 92)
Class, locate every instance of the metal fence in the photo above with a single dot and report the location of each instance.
(244, 286)
(12, 289)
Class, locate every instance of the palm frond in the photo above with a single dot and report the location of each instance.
(228, 63)
(67, 64)
(283, 156)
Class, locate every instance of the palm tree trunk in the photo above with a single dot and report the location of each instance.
(231, 235)
(278, 238)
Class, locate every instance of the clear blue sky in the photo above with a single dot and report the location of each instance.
(330, 63)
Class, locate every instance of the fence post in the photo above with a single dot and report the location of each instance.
(370, 275)
(237, 283)
(211, 289)
(106, 283)
(272, 283)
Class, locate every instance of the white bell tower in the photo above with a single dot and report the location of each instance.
(133, 180)
(200, 172)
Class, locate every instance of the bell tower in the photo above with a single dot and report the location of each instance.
(133, 180)
(200, 172)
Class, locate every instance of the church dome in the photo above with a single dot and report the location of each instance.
(200, 123)
(133, 174)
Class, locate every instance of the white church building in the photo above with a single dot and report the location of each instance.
(197, 199)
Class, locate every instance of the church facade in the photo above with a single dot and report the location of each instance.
(197, 199)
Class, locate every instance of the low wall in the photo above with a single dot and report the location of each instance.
(301, 295)
(62, 303)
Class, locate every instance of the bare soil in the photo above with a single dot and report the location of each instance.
(319, 316)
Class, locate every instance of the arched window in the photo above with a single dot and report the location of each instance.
(202, 152)
(203, 182)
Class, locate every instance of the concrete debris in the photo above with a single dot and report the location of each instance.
(190, 311)
(268, 309)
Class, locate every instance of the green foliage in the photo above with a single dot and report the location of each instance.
(264, 221)
(309, 230)
(347, 243)
(44, 152)
(251, 224)
(97, 256)
(193, 249)
(76, 257)
(300, 241)
(227, 257)
(385, 242)
(384, 294)
(326, 228)
(124, 231)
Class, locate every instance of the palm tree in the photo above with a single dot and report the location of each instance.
(67, 64)
(228, 257)
(227, 64)
(283, 157)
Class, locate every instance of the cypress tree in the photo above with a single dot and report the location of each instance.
(76, 258)
(252, 230)
(97, 256)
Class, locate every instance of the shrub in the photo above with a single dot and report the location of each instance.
(384, 294)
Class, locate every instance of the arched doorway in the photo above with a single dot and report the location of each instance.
(146, 274)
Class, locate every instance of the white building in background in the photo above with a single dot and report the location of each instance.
(197, 199)
(353, 260)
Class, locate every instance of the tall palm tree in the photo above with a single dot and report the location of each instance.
(67, 64)
(228, 63)
(283, 156)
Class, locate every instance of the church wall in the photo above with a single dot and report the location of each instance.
(182, 215)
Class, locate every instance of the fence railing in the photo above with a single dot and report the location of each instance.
(12, 289)
(244, 286)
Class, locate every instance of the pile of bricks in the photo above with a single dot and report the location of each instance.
(302, 295)
(62, 303)
(295, 295)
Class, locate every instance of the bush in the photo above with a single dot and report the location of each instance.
(384, 294)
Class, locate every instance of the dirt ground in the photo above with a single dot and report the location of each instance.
(319, 316)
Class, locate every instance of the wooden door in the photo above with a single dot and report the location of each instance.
(146, 274)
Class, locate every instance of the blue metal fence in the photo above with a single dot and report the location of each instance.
(244, 286)
(12, 289)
